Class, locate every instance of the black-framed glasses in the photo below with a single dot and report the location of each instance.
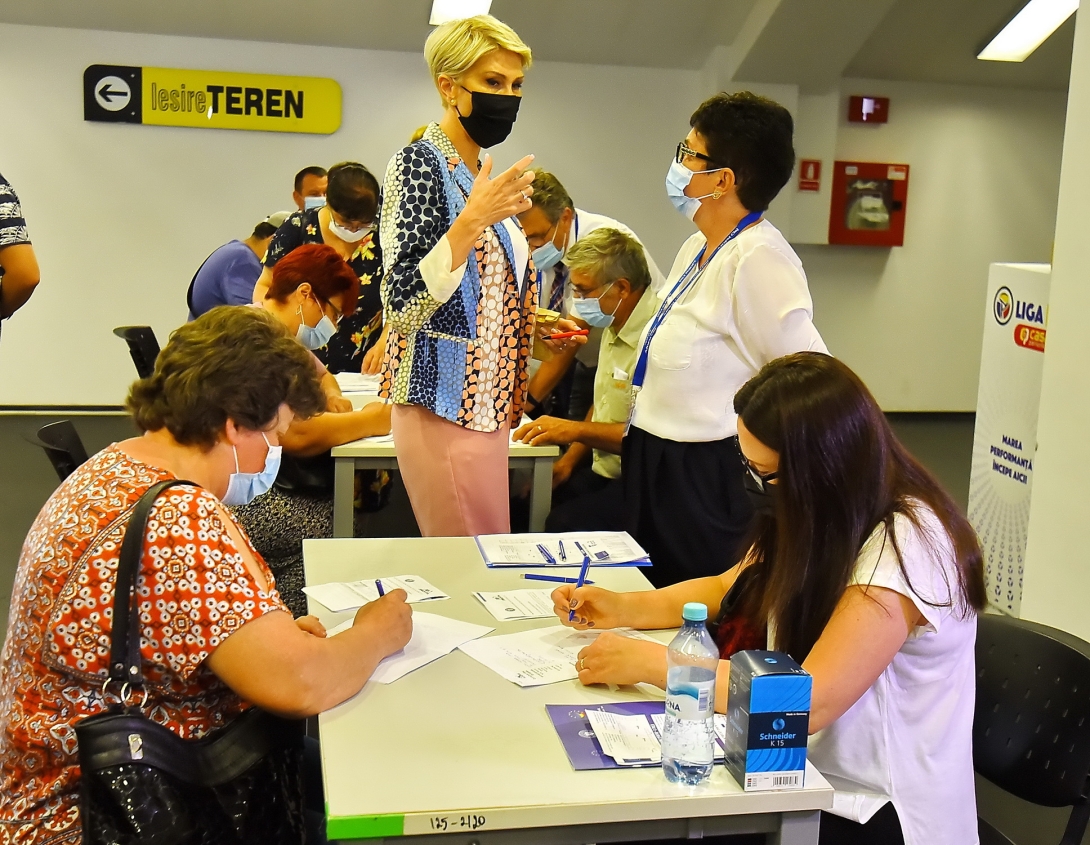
(684, 149)
(762, 478)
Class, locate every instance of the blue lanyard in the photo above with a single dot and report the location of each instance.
(683, 285)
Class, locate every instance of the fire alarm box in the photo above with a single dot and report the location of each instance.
(868, 205)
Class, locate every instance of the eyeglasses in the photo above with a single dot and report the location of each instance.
(581, 294)
(684, 150)
(762, 478)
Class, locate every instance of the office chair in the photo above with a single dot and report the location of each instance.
(1031, 733)
(62, 445)
(143, 347)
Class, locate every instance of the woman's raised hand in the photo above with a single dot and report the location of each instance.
(493, 200)
(593, 606)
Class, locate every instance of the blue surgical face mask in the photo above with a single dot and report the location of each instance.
(313, 202)
(589, 310)
(244, 487)
(548, 254)
(677, 180)
(317, 336)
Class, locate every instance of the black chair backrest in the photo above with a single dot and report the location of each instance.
(143, 347)
(1031, 734)
(62, 445)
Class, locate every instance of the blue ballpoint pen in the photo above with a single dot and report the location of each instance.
(378, 586)
(545, 554)
(581, 580)
(557, 579)
(563, 554)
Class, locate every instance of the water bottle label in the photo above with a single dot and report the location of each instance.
(691, 701)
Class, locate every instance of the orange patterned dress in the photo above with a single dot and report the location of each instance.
(194, 591)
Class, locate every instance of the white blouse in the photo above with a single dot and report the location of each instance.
(909, 738)
(749, 306)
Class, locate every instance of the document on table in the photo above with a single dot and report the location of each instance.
(348, 595)
(433, 637)
(377, 438)
(606, 548)
(518, 604)
(358, 382)
(538, 656)
(621, 734)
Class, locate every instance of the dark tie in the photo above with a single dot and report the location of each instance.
(556, 295)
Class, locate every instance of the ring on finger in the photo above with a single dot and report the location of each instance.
(582, 663)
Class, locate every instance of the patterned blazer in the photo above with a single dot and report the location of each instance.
(458, 346)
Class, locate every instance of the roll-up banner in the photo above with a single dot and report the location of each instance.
(1005, 439)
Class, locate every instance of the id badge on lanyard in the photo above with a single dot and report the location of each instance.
(683, 285)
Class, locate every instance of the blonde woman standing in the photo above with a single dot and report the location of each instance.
(457, 288)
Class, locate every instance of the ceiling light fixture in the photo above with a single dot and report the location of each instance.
(453, 10)
(1028, 30)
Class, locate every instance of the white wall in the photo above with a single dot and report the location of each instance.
(1057, 572)
(121, 216)
(983, 186)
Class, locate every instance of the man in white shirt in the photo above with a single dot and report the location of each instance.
(552, 227)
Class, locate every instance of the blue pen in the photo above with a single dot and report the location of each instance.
(545, 554)
(378, 586)
(581, 580)
(558, 579)
(582, 551)
(563, 554)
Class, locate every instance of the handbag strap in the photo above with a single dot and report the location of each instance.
(125, 637)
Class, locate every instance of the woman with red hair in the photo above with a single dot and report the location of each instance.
(311, 290)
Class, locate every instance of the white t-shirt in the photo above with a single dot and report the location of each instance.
(749, 306)
(909, 738)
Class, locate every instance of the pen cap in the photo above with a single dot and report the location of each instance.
(694, 611)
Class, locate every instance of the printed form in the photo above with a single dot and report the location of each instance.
(433, 637)
(349, 595)
(539, 656)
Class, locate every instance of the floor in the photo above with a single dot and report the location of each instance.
(942, 442)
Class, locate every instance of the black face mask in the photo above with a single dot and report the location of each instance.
(492, 118)
(764, 501)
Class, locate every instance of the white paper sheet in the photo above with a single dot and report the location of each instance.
(637, 740)
(358, 382)
(539, 656)
(348, 595)
(433, 637)
(518, 604)
(606, 548)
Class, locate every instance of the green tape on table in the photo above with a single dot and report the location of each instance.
(365, 827)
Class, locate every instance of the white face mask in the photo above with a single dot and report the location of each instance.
(244, 487)
(347, 235)
(313, 202)
(677, 180)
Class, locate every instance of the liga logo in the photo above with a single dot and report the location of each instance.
(1003, 306)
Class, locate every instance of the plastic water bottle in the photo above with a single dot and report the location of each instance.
(688, 738)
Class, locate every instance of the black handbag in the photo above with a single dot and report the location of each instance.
(142, 783)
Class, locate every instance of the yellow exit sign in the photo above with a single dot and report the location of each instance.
(208, 99)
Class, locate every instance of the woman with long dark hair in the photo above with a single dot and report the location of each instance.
(861, 567)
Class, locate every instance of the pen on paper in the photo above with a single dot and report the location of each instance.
(545, 554)
(563, 554)
(556, 579)
(378, 586)
(581, 580)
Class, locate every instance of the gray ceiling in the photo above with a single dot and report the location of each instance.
(920, 40)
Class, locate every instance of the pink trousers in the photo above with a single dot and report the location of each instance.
(456, 478)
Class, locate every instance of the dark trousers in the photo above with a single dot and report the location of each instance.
(587, 502)
(884, 828)
(686, 504)
(581, 395)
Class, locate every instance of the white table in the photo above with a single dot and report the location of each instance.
(453, 751)
(367, 454)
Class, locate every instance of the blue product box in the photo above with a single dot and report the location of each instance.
(768, 719)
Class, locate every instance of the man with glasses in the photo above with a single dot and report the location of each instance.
(610, 281)
(553, 226)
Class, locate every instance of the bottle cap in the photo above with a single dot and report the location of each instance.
(694, 611)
